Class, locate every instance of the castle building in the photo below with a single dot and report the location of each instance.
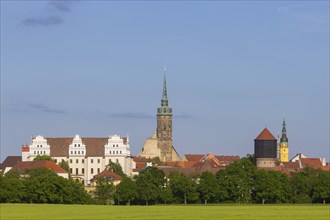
(86, 157)
(284, 148)
(265, 149)
(160, 143)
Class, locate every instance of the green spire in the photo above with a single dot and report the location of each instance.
(164, 108)
(164, 86)
(284, 137)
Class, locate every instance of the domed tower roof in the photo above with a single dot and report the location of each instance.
(266, 135)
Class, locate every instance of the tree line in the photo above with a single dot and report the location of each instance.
(241, 182)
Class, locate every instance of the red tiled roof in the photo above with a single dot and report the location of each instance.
(291, 165)
(108, 173)
(194, 157)
(10, 161)
(311, 162)
(94, 146)
(21, 167)
(265, 135)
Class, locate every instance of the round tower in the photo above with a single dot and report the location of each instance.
(265, 149)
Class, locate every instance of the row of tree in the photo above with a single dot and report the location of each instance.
(240, 182)
(41, 185)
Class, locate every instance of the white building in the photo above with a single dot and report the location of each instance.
(86, 156)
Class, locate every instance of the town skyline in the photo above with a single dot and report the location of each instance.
(101, 74)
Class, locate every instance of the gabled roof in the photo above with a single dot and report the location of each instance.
(21, 167)
(311, 162)
(94, 146)
(265, 135)
(10, 161)
(194, 157)
(108, 174)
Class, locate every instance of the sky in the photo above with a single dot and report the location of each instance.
(95, 68)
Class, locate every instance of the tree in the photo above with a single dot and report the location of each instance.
(44, 186)
(11, 188)
(303, 184)
(208, 187)
(166, 195)
(43, 157)
(146, 187)
(126, 191)
(183, 187)
(236, 181)
(116, 168)
(104, 191)
(321, 191)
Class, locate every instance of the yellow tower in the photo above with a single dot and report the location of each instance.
(284, 148)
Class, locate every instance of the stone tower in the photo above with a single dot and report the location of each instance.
(164, 126)
(284, 148)
(265, 149)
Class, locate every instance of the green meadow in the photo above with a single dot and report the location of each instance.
(172, 212)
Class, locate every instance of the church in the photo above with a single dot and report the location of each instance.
(160, 143)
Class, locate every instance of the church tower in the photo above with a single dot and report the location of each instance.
(164, 126)
(284, 148)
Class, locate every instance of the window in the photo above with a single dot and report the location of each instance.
(75, 152)
(117, 161)
(71, 152)
(109, 160)
(82, 161)
(98, 170)
(117, 152)
(37, 152)
(82, 152)
(70, 160)
(117, 145)
(92, 170)
(77, 161)
(113, 145)
(71, 170)
(76, 171)
(75, 145)
(83, 171)
(44, 152)
(34, 152)
(110, 152)
(40, 145)
(55, 160)
(78, 151)
(114, 152)
(92, 160)
(98, 160)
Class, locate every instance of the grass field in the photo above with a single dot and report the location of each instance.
(91, 212)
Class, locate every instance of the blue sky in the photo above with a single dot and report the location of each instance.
(95, 68)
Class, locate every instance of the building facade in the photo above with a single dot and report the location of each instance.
(160, 143)
(86, 157)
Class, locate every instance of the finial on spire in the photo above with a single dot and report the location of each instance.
(165, 68)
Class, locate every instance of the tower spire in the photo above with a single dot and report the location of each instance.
(164, 85)
(284, 137)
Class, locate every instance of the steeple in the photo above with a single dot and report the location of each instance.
(164, 86)
(284, 137)
(164, 108)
